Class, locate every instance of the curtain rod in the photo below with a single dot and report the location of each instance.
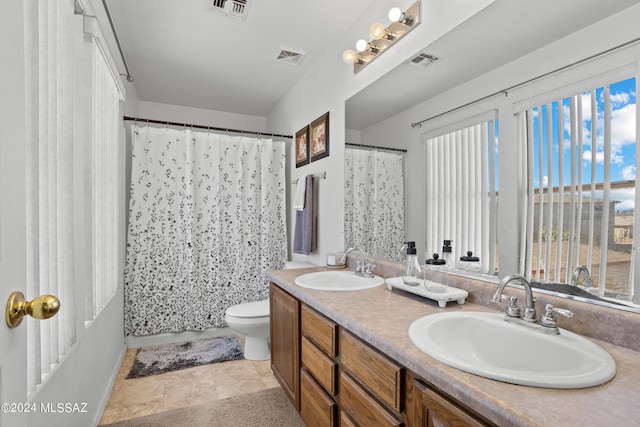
(506, 91)
(374, 147)
(189, 125)
(115, 35)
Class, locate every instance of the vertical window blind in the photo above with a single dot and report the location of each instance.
(49, 134)
(105, 146)
(581, 182)
(72, 187)
(460, 189)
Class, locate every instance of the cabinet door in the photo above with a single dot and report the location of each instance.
(438, 411)
(285, 342)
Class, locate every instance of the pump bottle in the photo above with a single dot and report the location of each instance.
(412, 273)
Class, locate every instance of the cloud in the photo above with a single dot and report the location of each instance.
(586, 156)
(619, 99)
(628, 172)
(616, 159)
(626, 198)
(623, 126)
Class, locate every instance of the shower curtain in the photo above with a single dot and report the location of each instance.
(374, 202)
(206, 223)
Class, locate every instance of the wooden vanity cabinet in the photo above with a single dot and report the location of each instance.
(319, 372)
(284, 340)
(335, 379)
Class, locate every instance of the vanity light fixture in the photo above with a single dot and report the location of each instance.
(383, 37)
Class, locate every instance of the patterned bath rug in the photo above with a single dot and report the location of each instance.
(158, 359)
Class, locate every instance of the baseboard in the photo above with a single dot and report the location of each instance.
(112, 381)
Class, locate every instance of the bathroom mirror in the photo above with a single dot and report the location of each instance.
(404, 87)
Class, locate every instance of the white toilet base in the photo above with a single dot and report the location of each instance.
(256, 348)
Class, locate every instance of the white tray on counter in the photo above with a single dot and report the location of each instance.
(432, 290)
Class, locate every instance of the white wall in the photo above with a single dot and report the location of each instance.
(619, 28)
(199, 116)
(331, 82)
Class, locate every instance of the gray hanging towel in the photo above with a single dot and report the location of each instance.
(305, 235)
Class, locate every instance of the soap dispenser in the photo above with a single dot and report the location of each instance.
(447, 254)
(412, 273)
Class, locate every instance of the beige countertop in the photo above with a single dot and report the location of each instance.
(382, 318)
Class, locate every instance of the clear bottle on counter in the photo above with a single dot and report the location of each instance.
(447, 254)
(470, 262)
(412, 272)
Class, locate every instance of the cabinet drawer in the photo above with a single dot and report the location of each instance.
(316, 407)
(320, 330)
(361, 408)
(322, 367)
(381, 375)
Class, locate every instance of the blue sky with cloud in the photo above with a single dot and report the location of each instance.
(623, 139)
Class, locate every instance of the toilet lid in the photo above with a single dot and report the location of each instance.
(250, 309)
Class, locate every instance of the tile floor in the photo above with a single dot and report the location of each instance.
(149, 395)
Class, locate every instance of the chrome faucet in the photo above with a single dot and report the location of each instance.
(587, 283)
(547, 323)
(530, 307)
(363, 268)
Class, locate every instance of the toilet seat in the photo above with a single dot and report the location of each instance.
(249, 310)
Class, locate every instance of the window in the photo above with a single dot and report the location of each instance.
(461, 166)
(581, 181)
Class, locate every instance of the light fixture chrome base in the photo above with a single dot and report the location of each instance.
(397, 29)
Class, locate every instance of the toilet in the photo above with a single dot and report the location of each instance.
(252, 320)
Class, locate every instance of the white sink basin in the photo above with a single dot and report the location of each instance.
(484, 344)
(337, 281)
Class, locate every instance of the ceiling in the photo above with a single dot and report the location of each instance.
(180, 53)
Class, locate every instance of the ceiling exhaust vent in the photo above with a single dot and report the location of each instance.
(421, 60)
(288, 56)
(230, 8)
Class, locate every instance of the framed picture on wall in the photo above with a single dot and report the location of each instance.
(319, 134)
(302, 146)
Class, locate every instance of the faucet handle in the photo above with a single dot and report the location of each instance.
(513, 310)
(548, 319)
(368, 269)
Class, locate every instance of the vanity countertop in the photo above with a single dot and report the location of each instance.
(382, 318)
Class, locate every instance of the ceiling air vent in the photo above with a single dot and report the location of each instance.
(288, 56)
(421, 60)
(231, 8)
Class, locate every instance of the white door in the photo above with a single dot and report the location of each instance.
(13, 342)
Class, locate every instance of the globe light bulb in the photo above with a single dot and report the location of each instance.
(349, 56)
(377, 31)
(362, 45)
(395, 14)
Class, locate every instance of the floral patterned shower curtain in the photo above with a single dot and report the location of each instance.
(206, 222)
(374, 202)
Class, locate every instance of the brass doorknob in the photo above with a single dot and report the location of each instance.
(43, 307)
